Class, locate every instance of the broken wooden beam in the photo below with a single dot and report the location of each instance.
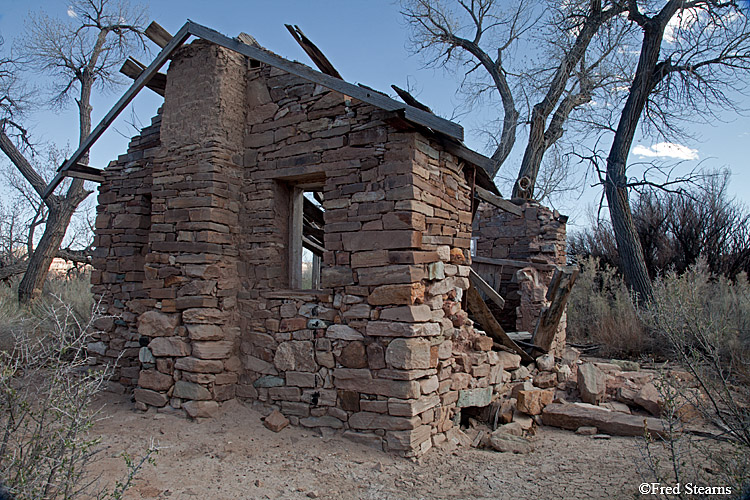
(410, 99)
(518, 264)
(500, 203)
(132, 68)
(157, 34)
(485, 318)
(248, 39)
(85, 172)
(312, 50)
(557, 294)
(313, 212)
(485, 288)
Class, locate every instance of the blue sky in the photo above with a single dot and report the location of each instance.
(367, 42)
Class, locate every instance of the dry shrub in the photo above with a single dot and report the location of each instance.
(703, 322)
(35, 319)
(601, 312)
(47, 405)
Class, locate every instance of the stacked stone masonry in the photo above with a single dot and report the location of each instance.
(536, 238)
(193, 260)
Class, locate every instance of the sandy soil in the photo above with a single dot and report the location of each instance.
(235, 457)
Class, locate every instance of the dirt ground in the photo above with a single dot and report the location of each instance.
(235, 457)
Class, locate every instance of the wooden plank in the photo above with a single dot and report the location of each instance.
(488, 164)
(113, 113)
(295, 238)
(313, 246)
(557, 293)
(411, 113)
(410, 99)
(316, 271)
(248, 39)
(485, 287)
(314, 212)
(86, 173)
(157, 34)
(520, 264)
(132, 68)
(500, 203)
(312, 50)
(485, 318)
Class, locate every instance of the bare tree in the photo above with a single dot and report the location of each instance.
(692, 67)
(81, 54)
(577, 40)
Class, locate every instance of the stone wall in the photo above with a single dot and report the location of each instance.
(384, 350)
(536, 238)
(122, 227)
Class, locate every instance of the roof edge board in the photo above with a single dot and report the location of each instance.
(416, 115)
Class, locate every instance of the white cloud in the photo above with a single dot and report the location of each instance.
(667, 150)
(71, 12)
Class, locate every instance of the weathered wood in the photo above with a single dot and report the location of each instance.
(485, 318)
(316, 271)
(248, 39)
(113, 113)
(487, 164)
(500, 203)
(314, 212)
(132, 68)
(312, 50)
(313, 246)
(313, 232)
(295, 237)
(411, 113)
(557, 293)
(410, 99)
(157, 34)
(85, 172)
(485, 288)
(520, 336)
(520, 264)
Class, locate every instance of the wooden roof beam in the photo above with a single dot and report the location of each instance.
(312, 50)
(132, 68)
(500, 203)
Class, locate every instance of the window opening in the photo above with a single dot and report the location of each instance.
(306, 238)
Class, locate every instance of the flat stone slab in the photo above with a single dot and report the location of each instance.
(574, 415)
(474, 397)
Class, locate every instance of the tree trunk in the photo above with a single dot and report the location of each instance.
(38, 267)
(632, 260)
(629, 250)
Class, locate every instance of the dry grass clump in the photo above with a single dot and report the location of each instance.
(601, 313)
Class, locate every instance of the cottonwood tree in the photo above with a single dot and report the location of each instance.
(573, 42)
(692, 58)
(80, 54)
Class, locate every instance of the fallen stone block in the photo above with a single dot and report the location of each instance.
(591, 383)
(275, 421)
(533, 402)
(574, 415)
(504, 442)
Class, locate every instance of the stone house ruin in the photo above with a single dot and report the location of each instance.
(255, 165)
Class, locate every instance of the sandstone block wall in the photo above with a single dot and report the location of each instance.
(537, 238)
(121, 238)
(383, 352)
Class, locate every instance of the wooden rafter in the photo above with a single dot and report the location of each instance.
(312, 50)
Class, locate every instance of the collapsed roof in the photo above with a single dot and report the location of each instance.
(450, 133)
